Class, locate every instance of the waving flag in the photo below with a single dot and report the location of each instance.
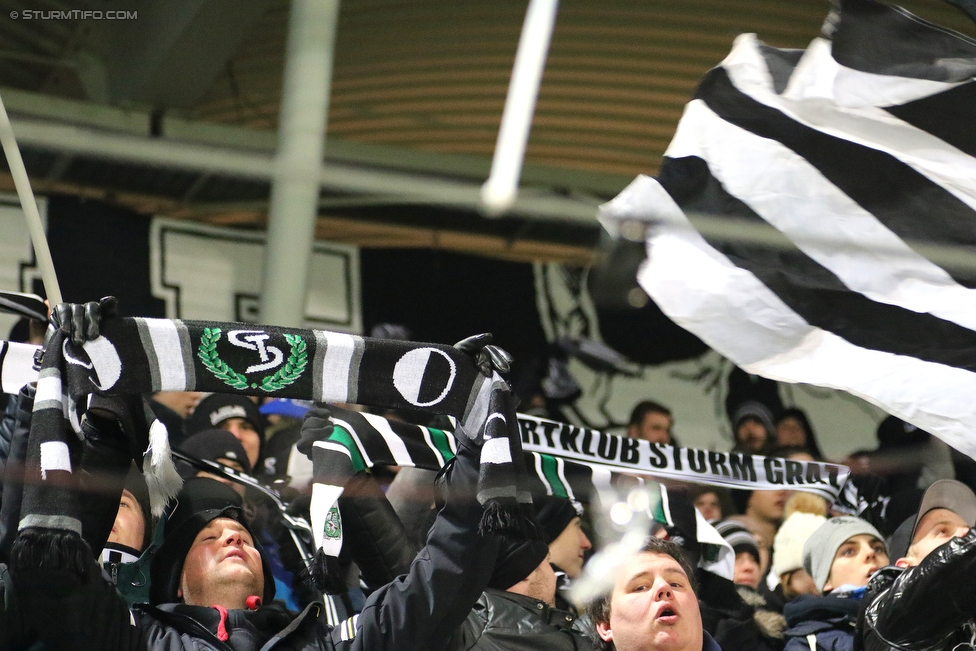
(848, 163)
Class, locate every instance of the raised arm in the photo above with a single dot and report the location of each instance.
(422, 609)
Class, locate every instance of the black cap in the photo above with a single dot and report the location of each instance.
(516, 560)
(201, 501)
(211, 445)
(219, 407)
(553, 514)
(211, 411)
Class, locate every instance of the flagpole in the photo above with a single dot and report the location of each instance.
(29, 206)
(498, 192)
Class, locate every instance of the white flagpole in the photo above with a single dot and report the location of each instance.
(498, 192)
(29, 205)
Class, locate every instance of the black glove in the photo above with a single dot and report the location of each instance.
(82, 321)
(486, 356)
(316, 427)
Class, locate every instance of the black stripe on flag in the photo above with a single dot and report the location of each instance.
(947, 115)
(810, 289)
(893, 192)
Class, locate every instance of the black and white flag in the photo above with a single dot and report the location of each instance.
(851, 164)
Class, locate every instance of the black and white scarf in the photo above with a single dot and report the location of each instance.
(136, 355)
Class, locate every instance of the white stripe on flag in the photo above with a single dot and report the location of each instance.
(169, 354)
(857, 116)
(54, 456)
(853, 244)
(393, 441)
(496, 451)
(735, 313)
(336, 363)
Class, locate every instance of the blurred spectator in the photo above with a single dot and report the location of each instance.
(651, 421)
(793, 429)
(752, 428)
(906, 457)
(794, 580)
(714, 503)
(219, 446)
(236, 414)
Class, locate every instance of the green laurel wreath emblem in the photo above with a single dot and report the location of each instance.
(290, 371)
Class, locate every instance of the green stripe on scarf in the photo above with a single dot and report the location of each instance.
(439, 437)
(552, 476)
(341, 436)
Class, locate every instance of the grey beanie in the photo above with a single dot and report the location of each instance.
(822, 545)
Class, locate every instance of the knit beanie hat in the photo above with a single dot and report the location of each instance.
(740, 538)
(516, 560)
(553, 514)
(822, 545)
(789, 540)
(211, 445)
(201, 501)
(758, 411)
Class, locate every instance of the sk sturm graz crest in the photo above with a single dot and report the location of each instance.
(333, 528)
(267, 357)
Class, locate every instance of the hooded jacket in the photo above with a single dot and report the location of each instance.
(831, 620)
(928, 607)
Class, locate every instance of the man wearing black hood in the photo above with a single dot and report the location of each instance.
(214, 596)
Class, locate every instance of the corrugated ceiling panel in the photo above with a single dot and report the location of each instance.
(432, 74)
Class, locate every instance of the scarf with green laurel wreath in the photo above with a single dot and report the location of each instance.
(137, 355)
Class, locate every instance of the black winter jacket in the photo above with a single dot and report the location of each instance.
(418, 611)
(503, 621)
(928, 607)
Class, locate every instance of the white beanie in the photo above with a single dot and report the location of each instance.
(788, 543)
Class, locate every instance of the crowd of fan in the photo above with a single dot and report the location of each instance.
(226, 568)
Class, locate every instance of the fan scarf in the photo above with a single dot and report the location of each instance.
(136, 355)
(570, 465)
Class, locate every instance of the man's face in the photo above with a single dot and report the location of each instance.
(936, 528)
(567, 550)
(768, 505)
(653, 608)
(751, 434)
(656, 427)
(790, 432)
(130, 525)
(247, 434)
(856, 561)
(222, 560)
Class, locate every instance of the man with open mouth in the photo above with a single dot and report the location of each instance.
(653, 605)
